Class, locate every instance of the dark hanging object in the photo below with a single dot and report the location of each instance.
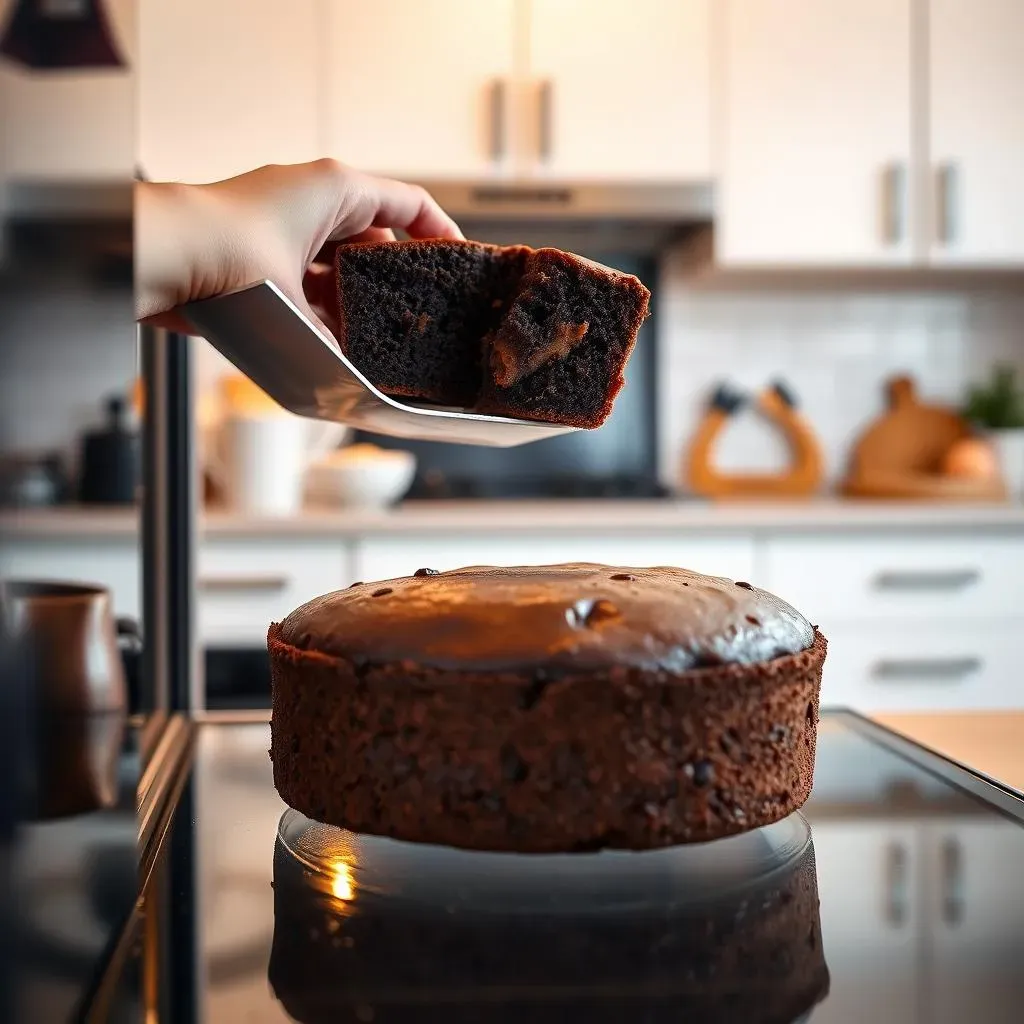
(47, 34)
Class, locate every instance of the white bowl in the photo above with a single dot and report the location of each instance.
(362, 479)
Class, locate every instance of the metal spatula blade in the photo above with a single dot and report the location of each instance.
(267, 338)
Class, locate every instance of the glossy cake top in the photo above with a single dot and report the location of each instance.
(568, 616)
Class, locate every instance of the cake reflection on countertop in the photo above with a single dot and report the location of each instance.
(387, 931)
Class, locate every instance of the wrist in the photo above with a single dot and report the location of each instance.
(176, 246)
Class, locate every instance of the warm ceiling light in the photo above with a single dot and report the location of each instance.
(60, 34)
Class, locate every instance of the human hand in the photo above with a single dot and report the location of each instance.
(280, 222)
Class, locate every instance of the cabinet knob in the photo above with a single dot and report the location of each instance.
(497, 124)
(545, 119)
(242, 584)
(938, 670)
(952, 882)
(896, 888)
(894, 203)
(947, 202)
(926, 579)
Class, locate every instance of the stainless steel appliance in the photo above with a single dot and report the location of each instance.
(255, 915)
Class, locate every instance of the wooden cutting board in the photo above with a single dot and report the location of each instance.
(900, 455)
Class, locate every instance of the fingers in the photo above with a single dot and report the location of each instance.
(385, 204)
(412, 209)
(373, 235)
(320, 290)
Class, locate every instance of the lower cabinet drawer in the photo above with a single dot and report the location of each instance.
(114, 563)
(381, 558)
(894, 668)
(875, 578)
(245, 585)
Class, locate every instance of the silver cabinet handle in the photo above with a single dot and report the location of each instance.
(897, 892)
(939, 670)
(894, 189)
(947, 202)
(545, 119)
(498, 107)
(952, 882)
(242, 584)
(926, 579)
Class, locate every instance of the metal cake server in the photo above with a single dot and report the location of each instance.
(276, 346)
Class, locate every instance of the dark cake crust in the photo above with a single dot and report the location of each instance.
(538, 761)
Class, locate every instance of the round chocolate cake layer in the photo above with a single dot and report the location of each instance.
(567, 616)
(479, 708)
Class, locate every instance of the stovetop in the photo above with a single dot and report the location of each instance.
(907, 904)
(435, 485)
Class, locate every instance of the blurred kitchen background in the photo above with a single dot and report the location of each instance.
(825, 199)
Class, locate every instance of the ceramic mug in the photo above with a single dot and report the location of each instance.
(76, 759)
(70, 643)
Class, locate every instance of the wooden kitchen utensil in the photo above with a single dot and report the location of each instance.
(901, 454)
(777, 404)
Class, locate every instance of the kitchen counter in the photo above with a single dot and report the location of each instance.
(991, 743)
(549, 516)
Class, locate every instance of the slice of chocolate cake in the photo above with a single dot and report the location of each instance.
(559, 351)
(413, 315)
(532, 333)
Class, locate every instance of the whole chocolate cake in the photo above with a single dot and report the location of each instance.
(509, 330)
(545, 709)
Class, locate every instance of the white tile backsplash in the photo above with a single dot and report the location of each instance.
(834, 348)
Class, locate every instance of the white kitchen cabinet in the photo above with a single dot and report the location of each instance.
(565, 88)
(913, 622)
(878, 577)
(870, 919)
(245, 584)
(976, 89)
(228, 85)
(815, 133)
(619, 89)
(114, 563)
(419, 89)
(380, 558)
(69, 124)
(898, 666)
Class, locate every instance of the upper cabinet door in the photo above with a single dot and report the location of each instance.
(618, 90)
(226, 86)
(977, 131)
(816, 133)
(420, 89)
(71, 124)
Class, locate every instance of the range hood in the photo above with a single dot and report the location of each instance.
(71, 227)
(638, 217)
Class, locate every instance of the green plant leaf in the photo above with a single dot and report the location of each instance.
(998, 404)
